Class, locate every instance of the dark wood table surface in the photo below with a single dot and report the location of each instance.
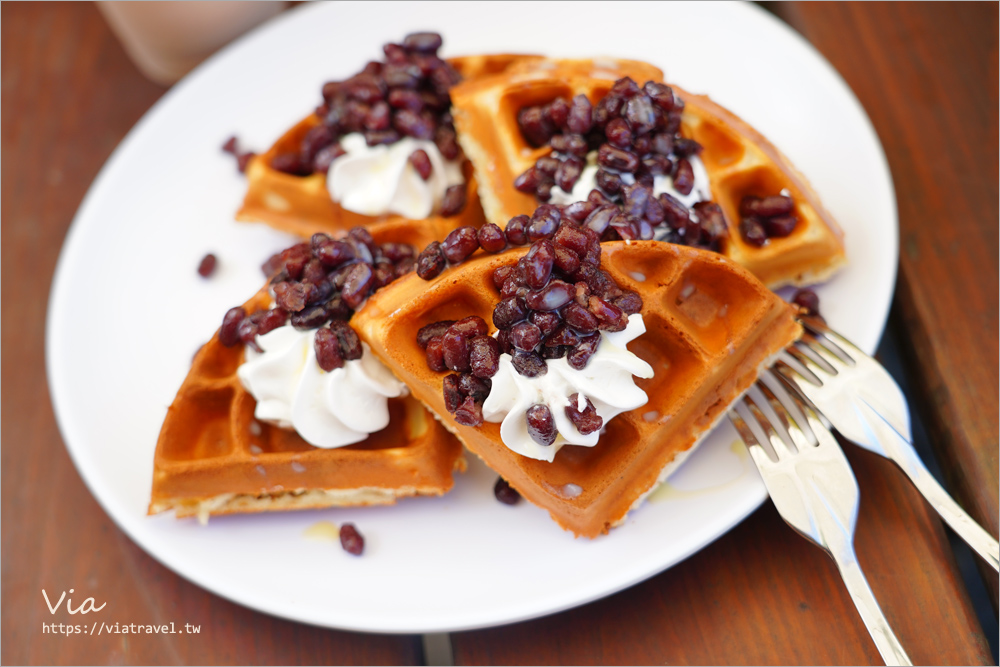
(927, 75)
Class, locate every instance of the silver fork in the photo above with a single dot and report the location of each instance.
(813, 489)
(862, 401)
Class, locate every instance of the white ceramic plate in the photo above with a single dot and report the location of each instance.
(128, 310)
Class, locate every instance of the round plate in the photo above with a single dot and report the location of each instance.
(167, 196)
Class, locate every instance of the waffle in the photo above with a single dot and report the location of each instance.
(214, 457)
(301, 205)
(710, 327)
(738, 159)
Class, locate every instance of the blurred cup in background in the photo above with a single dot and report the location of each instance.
(166, 40)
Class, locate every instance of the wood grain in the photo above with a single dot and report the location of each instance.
(926, 74)
(69, 96)
(763, 595)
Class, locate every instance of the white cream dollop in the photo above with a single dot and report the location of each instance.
(702, 190)
(328, 409)
(606, 380)
(374, 180)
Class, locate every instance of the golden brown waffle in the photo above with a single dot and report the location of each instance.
(301, 205)
(710, 327)
(738, 159)
(214, 457)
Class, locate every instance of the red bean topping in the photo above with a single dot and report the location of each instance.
(435, 354)
(207, 265)
(630, 302)
(357, 284)
(634, 199)
(546, 321)
(579, 120)
(601, 218)
(544, 222)
(684, 147)
(712, 221)
(467, 327)
(619, 133)
(247, 332)
(421, 163)
(553, 352)
(423, 42)
(501, 274)
(505, 493)
(571, 144)
(780, 225)
(554, 295)
(454, 200)
(578, 211)
(609, 182)
(538, 264)
(566, 260)
(291, 163)
(503, 340)
(309, 318)
(684, 178)
(469, 413)
(508, 312)
(431, 331)
(615, 158)
(271, 320)
(525, 336)
(484, 356)
(476, 387)
(291, 296)
(753, 232)
(568, 173)
(541, 425)
(452, 395)
(491, 238)
(431, 261)
(350, 343)
(336, 309)
(580, 318)
(562, 336)
(229, 333)
(516, 231)
(584, 350)
(351, 540)
(528, 364)
(572, 238)
(327, 350)
(808, 299)
(459, 244)
(529, 181)
(587, 421)
(609, 316)
(534, 126)
(447, 142)
(456, 351)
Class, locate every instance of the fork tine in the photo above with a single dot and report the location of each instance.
(787, 365)
(760, 455)
(799, 428)
(828, 344)
(813, 358)
(773, 413)
(783, 446)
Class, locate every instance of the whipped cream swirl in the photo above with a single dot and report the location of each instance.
(328, 409)
(606, 380)
(702, 190)
(374, 180)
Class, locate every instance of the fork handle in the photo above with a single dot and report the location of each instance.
(964, 526)
(889, 648)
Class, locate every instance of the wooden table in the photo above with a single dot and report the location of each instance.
(926, 74)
